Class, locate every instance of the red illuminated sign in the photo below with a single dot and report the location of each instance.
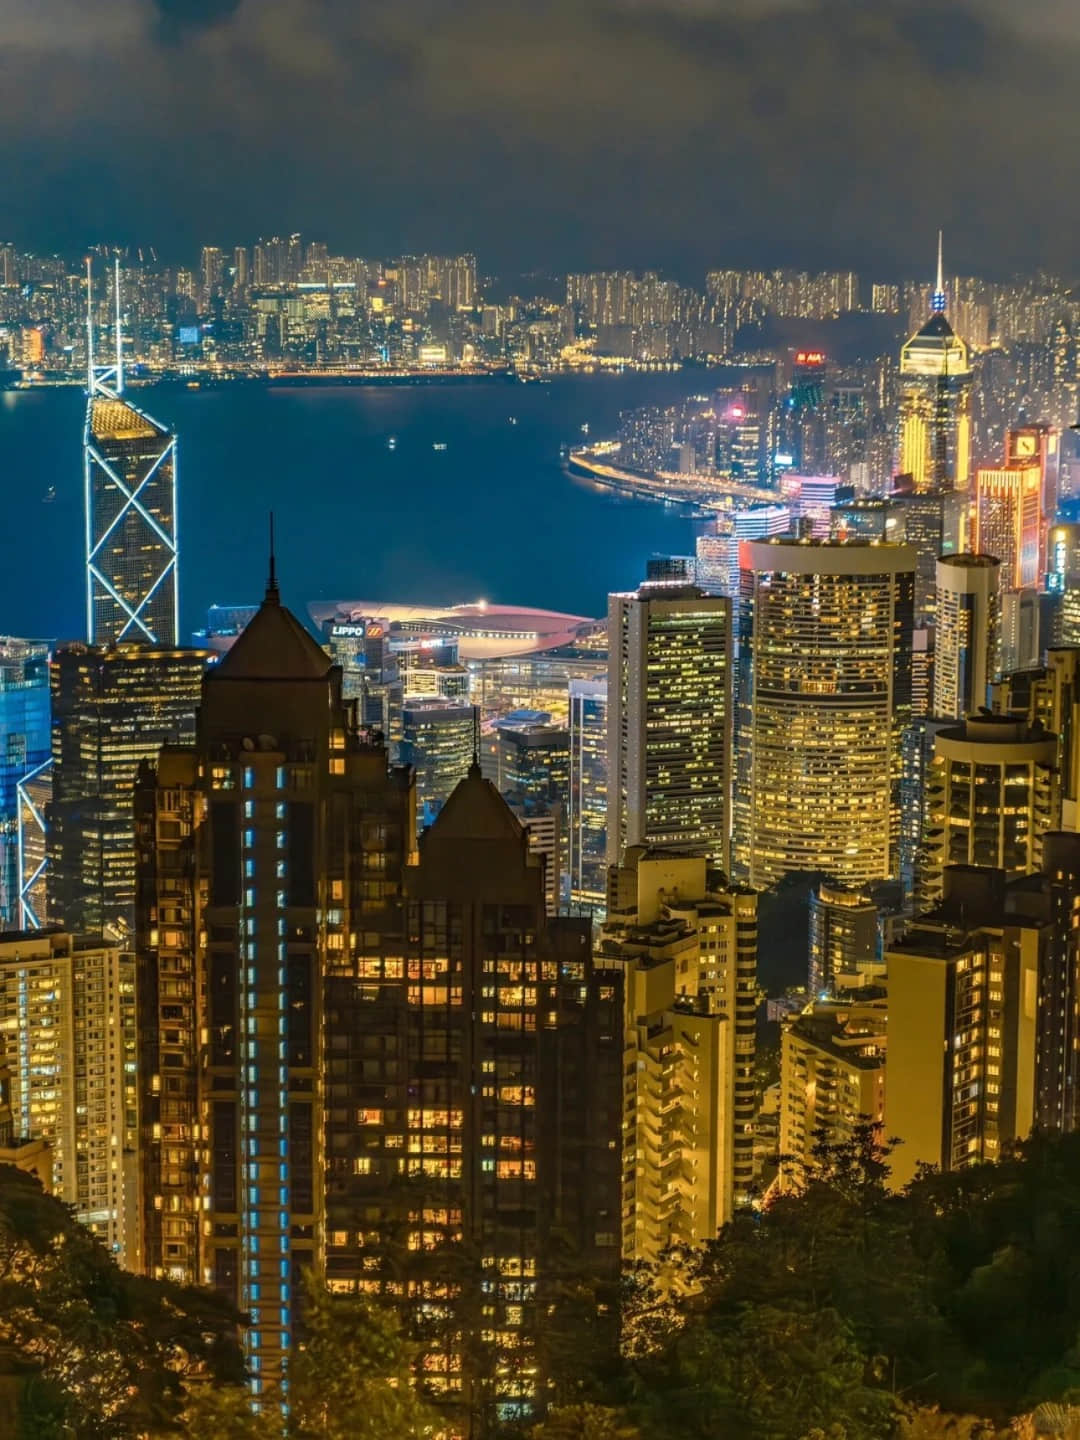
(810, 357)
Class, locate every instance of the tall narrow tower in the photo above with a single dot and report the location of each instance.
(129, 471)
(934, 436)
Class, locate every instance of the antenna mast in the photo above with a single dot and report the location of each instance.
(119, 335)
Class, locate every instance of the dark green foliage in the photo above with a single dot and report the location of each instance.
(111, 1350)
(839, 1312)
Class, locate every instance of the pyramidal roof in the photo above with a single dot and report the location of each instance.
(476, 811)
(936, 328)
(273, 646)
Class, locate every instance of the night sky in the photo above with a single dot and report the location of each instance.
(551, 133)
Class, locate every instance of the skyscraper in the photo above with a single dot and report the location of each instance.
(843, 935)
(983, 1008)
(25, 754)
(67, 1033)
(112, 708)
(824, 695)
(935, 402)
(968, 633)
(476, 1056)
(992, 792)
(1008, 520)
(688, 946)
(438, 741)
(265, 848)
(587, 818)
(129, 471)
(669, 721)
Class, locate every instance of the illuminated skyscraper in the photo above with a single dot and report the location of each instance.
(67, 1032)
(266, 848)
(112, 708)
(824, 694)
(25, 756)
(935, 402)
(669, 721)
(843, 935)
(476, 1059)
(587, 820)
(438, 740)
(688, 945)
(129, 471)
(992, 793)
(1008, 521)
(968, 633)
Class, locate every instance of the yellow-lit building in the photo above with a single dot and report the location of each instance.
(832, 1077)
(669, 720)
(934, 430)
(689, 957)
(983, 1015)
(992, 793)
(825, 657)
(68, 1035)
(1008, 520)
(1050, 696)
(967, 633)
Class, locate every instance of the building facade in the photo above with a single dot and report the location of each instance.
(112, 708)
(669, 721)
(25, 781)
(587, 812)
(824, 695)
(68, 1039)
(967, 634)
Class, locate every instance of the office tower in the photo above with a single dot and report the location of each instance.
(68, 1033)
(265, 847)
(25, 781)
(438, 739)
(933, 524)
(1008, 521)
(111, 709)
(983, 1008)
(687, 944)
(241, 268)
(811, 499)
(669, 721)
(670, 570)
(718, 556)
(478, 1057)
(1021, 626)
(832, 1077)
(934, 430)
(843, 937)
(587, 810)
(129, 472)
(532, 760)
(1038, 446)
(968, 632)
(992, 793)
(1063, 581)
(824, 696)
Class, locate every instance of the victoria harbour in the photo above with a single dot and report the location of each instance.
(434, 494)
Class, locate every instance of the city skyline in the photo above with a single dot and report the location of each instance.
(721, 87)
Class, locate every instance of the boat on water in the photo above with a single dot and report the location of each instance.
(511, 419)
(391, 444)
(49, 496)
(439, 445)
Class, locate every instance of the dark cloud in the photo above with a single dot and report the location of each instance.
(681, 133)
(175, 17)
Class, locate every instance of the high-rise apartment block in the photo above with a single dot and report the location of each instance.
(475, 1061)
(112, 708)
(832, 1077)
(68, 1039)
(992, 793)
(843, 936)
(266, 847)
(824, 695)
(967, 634)
(687, 946)
(983, 1009)
(25, 781)
(669, 721)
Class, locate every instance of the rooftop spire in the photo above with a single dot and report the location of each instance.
(89, 325)
(937, 302)
(474, 768)
(119, 331)
(273, 594)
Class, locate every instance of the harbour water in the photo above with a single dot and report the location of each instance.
(416, 494)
